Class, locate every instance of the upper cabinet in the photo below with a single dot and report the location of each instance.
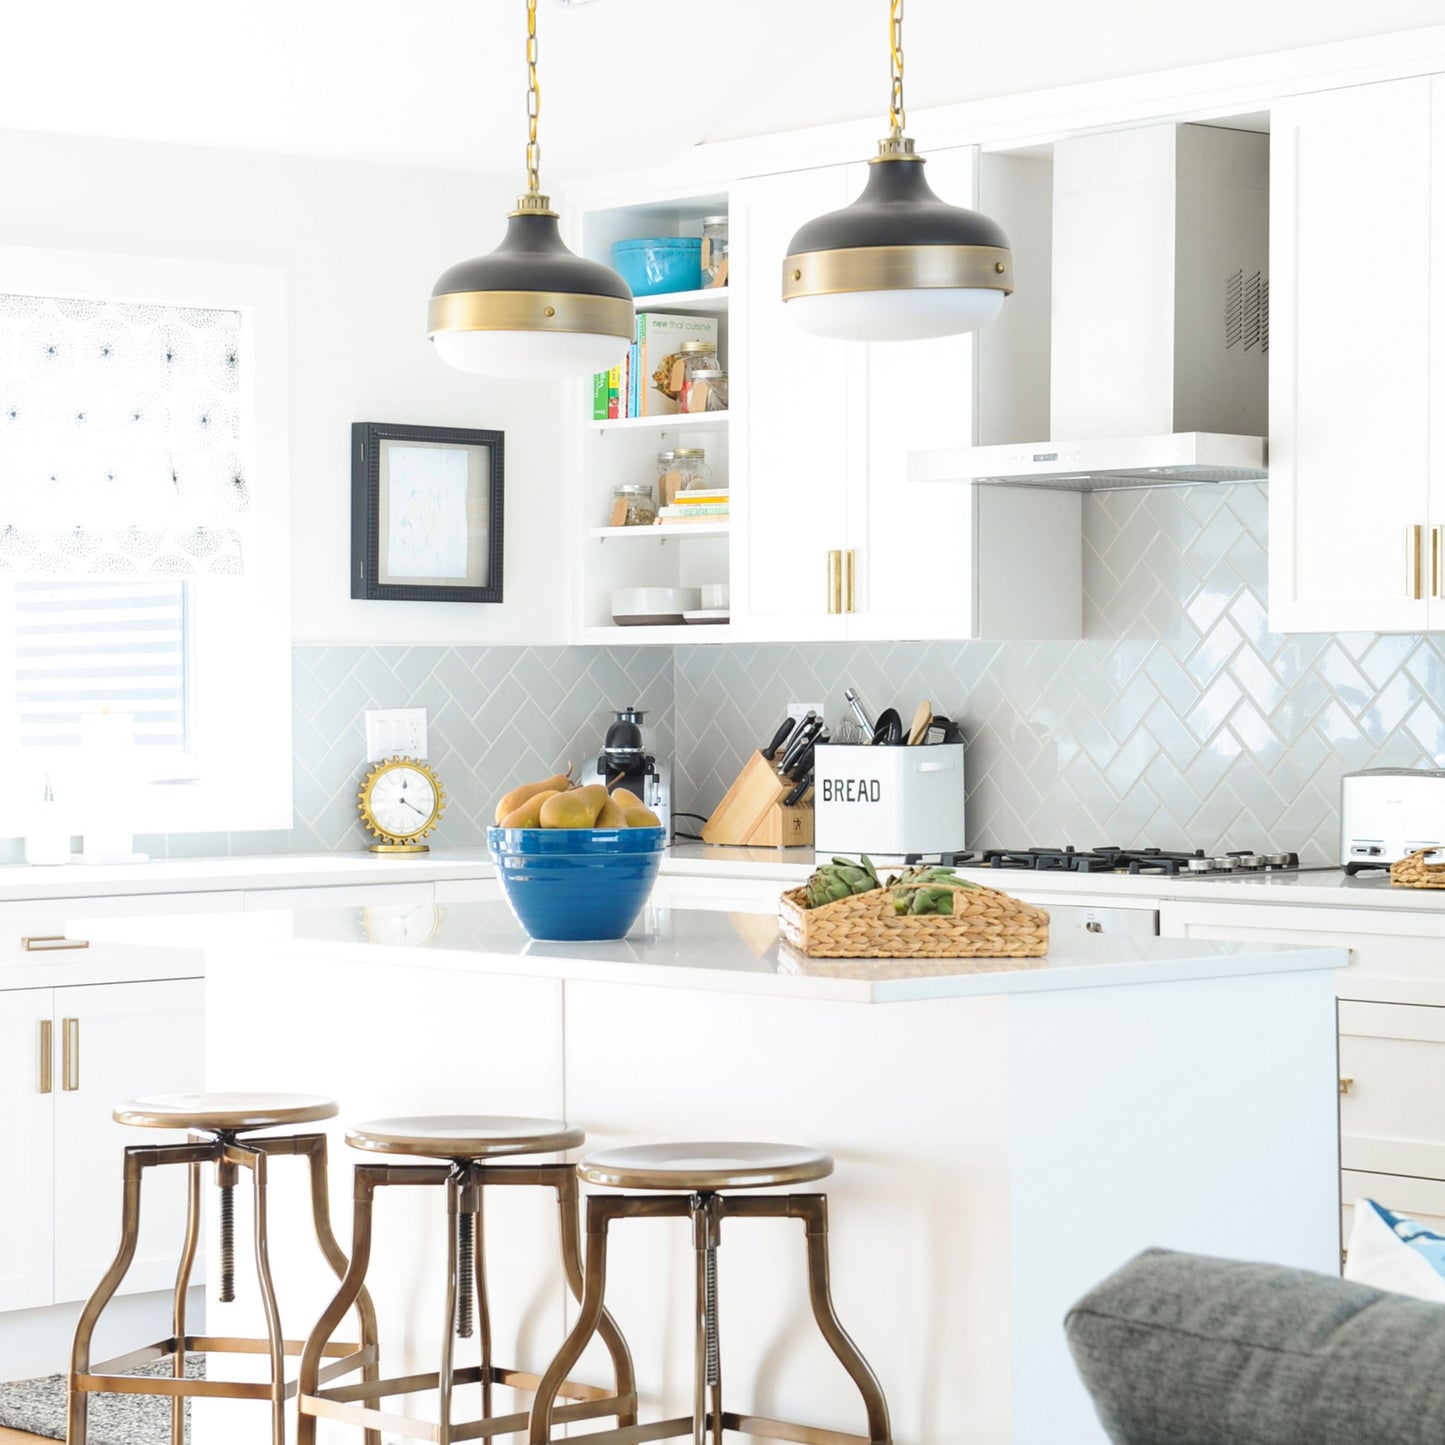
(1357, 419)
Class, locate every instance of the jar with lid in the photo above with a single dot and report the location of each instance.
(707, 391)
(714, 251)
(697, 356)
(694, 473)
(667, 482)
(633, 505)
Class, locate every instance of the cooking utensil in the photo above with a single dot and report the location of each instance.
(850, 696)
(804, 764)
(804, 787)
(922, 716)
(943, 730)
(888, 730)
(770, 750)
(807, 730)
(850, 734)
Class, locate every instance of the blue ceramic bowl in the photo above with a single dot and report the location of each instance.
(652, 265)
(576, 883)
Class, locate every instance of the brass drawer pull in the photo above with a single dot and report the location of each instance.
(850, 574)
(835, 581)
(70, 1055)
(47, 1081)
(1414, 589)
(52, 943)
(1437, 536)
(1346, 1085)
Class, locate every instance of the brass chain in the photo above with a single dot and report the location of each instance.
(897, 117)
(534, 101)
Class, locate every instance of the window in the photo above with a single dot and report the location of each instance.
(143, 533)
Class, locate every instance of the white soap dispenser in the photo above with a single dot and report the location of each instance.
(47, 840)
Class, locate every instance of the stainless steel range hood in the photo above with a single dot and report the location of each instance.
(1159, 329)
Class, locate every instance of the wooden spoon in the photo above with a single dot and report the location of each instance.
(921, 719)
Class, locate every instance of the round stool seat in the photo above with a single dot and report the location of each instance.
(705, 1166)
(224, 1113)
(464, 1136)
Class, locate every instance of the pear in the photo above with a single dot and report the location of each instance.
(529, 813)
(611, 816)
(640, 817)
(625, 799)
(519, 795)
(576, 808)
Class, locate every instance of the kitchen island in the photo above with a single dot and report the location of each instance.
(1006, 1131)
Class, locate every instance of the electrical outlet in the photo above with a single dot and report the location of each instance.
(799, 710)
(396, 732)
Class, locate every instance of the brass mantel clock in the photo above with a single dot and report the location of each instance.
(401, 802)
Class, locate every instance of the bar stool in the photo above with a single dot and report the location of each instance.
(702, 1171)
(215, 1122)
(468, 1144)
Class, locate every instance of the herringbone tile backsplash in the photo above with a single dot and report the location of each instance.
(1179, 721)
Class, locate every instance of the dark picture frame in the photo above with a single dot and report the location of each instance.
(426, 513)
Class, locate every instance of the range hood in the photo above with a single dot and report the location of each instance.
(1159, 332)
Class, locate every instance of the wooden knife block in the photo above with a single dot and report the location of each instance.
(752, 811)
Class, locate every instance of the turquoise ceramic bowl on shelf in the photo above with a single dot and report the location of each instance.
(576, 884)
(652, 265)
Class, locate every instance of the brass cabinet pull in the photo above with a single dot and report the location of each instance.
(1436, 581)
(1346, 1085)
(47, 1081)
(1413, 537)
(850, 572)
(835, 581)
(52, 943)
(70, 1055)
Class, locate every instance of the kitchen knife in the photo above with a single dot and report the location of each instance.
(770, 750)
(808, 729)
(801, 791)
(804, 763)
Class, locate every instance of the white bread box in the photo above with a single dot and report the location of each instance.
(888, 800)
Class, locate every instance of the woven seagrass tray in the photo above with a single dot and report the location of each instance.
(984, 924)
(1415, 872)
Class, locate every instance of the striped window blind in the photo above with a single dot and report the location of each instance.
(82, 646)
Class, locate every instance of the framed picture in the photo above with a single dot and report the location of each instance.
(426, 513)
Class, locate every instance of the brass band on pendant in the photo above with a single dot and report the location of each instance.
(530, 311)
(897, 268)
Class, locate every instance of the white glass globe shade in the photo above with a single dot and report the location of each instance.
(533, 355)
(896, 315)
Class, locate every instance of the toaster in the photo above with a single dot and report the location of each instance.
(1388, 813)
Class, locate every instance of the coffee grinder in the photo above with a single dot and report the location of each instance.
(624, 763)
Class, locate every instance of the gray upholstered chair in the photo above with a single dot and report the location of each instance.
(1177, 1349)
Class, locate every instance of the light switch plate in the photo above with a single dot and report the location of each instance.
(395, 732)
(799, 710)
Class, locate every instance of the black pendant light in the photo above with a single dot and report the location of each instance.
(531, 308)
(899, 264)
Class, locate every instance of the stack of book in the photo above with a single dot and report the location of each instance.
(632, 389)
(689, 508)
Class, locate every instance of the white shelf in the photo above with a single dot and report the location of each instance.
(713, 300)
(614, 636)
(661, 533)
(662, 423)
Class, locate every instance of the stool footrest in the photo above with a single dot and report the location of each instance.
(632, 1434)
(783, 1430)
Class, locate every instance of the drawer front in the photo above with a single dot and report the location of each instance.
(1392, 1089)
(42, 920)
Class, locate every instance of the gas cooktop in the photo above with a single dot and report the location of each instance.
(1105, 859)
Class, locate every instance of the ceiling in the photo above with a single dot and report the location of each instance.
(440, 82)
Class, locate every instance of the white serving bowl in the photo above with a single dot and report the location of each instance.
(653, 606)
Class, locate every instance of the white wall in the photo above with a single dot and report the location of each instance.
(363, 245)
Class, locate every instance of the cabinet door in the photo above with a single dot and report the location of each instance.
(126, 1039)
(1350, 253)
(912, 542)
(793, 428)
(26, 1145)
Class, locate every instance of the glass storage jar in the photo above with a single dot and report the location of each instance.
(697, 356)
(707, 391)
(633, 505)
(694, 473)
(668, 481)
(714, 251)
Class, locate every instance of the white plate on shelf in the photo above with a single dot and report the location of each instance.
(647, 619)
(707, 614)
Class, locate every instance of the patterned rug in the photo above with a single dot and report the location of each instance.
(38, 1407)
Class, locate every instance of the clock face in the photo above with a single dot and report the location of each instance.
(403, 801)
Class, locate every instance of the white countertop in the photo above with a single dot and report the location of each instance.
(696, 949)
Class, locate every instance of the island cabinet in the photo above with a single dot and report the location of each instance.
(1357, 405)
(1391, 1038)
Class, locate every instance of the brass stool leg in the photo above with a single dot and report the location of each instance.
(444, 1380)
(178, 1310)
(707, 1419)
(623, 1373)
(478, 1264)
(79, 1399)
(255, 1161)
(366, 1178)
(314, 1147)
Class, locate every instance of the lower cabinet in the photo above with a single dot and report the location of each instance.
(67, 1056)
